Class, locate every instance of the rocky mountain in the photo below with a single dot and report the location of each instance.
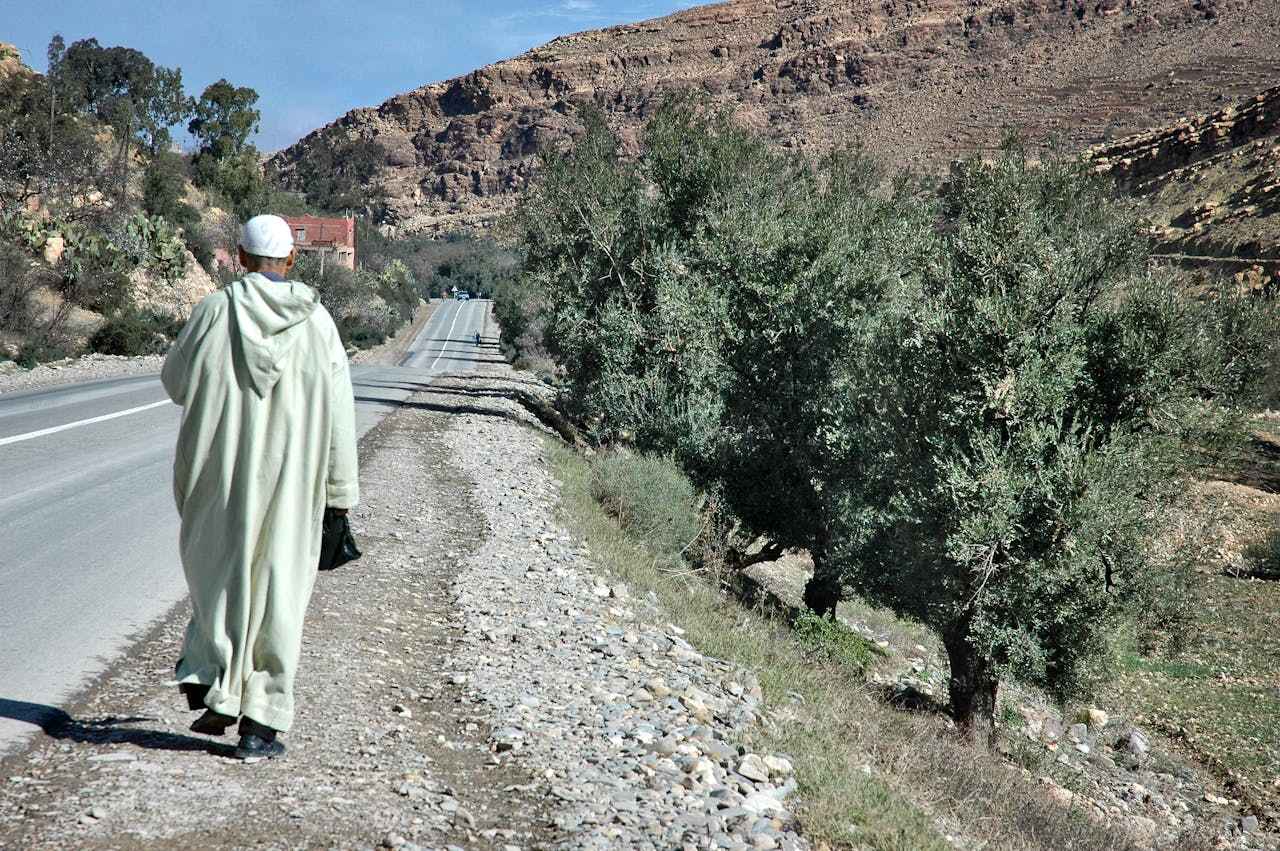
(920, 81)
(1211, 184)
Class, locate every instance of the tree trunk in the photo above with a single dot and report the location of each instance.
(973, 688)
(822, 592)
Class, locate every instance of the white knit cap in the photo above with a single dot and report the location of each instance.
(267, 236)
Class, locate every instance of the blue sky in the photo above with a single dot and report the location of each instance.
(313, 60)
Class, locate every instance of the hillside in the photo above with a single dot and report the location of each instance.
(918, 82)
(1211, 184)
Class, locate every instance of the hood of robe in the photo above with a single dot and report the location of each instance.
(268, 317)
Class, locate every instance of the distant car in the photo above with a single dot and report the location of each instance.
(463, 296)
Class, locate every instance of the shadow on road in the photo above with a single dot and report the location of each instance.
(109, 729)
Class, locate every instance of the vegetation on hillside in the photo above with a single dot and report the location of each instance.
(93, 193)
(968, 403)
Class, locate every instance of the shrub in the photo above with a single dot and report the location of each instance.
(17, 286)
(135, 333)
(651, 499)
(43, 349)
(832, 641)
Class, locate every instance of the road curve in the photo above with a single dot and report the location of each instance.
(90, 531)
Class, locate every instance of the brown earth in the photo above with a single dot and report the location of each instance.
(919, 83)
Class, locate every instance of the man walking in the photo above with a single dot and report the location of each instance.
(267, 442)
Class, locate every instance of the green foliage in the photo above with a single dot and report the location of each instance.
(832, 641)
(968, 405)
(651, 499)
(397, 287)
(225, 162)
(164, 188)
(155, 244)
(223, 119)
(366, 307)
(341, 177)
(41, 349)
(132, 332)
(121, 87)
(94, 272)
(1014, 423)
(237, 178)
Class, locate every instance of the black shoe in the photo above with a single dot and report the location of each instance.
(258, 740)
(252, 747)
(212, 723)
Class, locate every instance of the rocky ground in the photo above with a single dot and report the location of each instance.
(1092, 758)
(92, 367)
(472, 682)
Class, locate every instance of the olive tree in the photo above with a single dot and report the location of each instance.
(1013, 428)
(702, 298)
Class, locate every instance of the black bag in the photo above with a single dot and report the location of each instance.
(337, 547)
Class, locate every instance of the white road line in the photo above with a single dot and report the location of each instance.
(32, 435)
(448, 336)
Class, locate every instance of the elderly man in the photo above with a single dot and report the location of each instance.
(267, 442)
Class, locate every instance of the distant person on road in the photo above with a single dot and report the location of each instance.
(267, 442)
(477, 338)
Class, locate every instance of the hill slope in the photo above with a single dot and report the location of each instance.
(1211, 184)
(920, 82)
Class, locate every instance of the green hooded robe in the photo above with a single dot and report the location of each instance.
(267, 441)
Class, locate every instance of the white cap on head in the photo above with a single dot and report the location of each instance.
(267, 236)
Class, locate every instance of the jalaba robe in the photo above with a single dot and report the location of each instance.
(267, 441)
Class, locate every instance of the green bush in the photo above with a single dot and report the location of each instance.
(42, 350)
(135, 333)
(651, 499)
(832, 641)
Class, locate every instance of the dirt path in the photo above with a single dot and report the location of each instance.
(469, 683)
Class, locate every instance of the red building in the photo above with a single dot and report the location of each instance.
(333, 239)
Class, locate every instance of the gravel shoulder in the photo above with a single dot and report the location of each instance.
(472, 682)
(91, 367)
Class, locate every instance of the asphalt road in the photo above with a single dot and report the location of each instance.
(89, 531)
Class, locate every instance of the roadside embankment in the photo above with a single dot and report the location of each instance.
(473, 681)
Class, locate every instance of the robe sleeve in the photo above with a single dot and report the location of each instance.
(176, 373)
(342, 487)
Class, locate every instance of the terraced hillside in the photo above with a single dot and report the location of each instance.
(1211, 184)
(920, 82)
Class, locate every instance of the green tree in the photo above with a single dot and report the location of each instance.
(223, 119)
(968, 406)
(121, 87)
(1011, 431)
(56, 51)
(342, 177)
(225, 161)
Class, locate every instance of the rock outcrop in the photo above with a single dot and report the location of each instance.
(1211, 184)
(11, 62)
(918, 82)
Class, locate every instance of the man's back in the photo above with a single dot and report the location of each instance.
(267, 442)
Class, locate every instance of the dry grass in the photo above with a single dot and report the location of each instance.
(870, 776)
